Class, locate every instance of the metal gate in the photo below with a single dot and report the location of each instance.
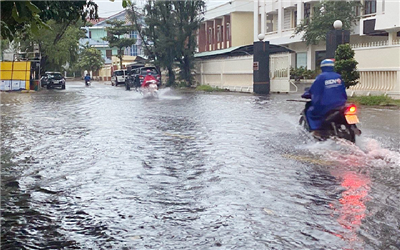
(279, 72)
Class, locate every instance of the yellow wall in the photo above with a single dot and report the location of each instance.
(15, 71)
(242, 28)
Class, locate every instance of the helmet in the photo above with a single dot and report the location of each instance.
(148, 71)
(327, 63)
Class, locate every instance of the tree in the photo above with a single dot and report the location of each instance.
(54, 56)
(168, 31)
(18, 17)
(346, 65)
(157, 29)
(116, 37)
(325, 14)
(91, 59)
(188, 22)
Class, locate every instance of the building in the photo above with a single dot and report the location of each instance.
(379, 23)
(226, 26)
(375, 38)
(96, 32)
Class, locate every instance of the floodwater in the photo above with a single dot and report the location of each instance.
(103, 168)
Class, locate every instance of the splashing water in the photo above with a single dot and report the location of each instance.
(366, 152)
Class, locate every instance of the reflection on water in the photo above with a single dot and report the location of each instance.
(350, 210)
(101, 167)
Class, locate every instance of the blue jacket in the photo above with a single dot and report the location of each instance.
(87, 78)
(327, 92)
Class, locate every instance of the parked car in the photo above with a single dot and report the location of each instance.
(52, 79)
(118, 77)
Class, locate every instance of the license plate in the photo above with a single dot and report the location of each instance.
(352, 119)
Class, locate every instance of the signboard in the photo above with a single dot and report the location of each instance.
(255, 65)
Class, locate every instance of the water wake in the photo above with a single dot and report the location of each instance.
(366, 152)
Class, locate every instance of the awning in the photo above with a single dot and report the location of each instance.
(240, 51)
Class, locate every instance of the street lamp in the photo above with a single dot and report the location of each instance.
(338, 25)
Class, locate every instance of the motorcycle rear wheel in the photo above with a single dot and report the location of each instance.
(347, 133)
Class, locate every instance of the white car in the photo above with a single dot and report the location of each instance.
(118, 77)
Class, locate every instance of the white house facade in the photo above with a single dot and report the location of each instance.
(375, 39)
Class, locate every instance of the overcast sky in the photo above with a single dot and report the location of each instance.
(108, 8)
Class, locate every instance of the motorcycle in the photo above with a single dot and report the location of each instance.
(340, 122)
(87, 83)
(151, 91)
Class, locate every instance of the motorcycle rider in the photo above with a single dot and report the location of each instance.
(147, 80)
(87, 78)
(326, 93)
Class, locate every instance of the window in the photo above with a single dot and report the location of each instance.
(133, 34)
(370, 7)
(307, 12)
(270, 23)
(287, 18)
(219, 33)
(109, 53)
(301, 60)
(209, 35)
(228, 32)
(294, 19)
(134, 50)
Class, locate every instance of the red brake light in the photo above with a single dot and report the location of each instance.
(351, 109)
(141, 77)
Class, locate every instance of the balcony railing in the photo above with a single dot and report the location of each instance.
(375, 44)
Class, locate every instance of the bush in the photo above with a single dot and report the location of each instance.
(380, 100)
(302, 73)
(346, 65)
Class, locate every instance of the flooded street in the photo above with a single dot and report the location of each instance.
(103, 168)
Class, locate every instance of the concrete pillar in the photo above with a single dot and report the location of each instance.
(263, 20)
(255, 18)
(311, 57)
(261, 81)
(300, 12)
(280, 18)
(392, 36)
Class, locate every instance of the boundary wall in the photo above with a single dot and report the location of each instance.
(236, 73)
(379, 69)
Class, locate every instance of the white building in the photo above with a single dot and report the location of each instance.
(375, 39)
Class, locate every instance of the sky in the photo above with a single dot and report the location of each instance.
(108, 8)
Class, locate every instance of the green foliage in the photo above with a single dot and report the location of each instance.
(18, 17)
(381, 100)
(90, 59)
(116, 37)
(156, 30)
(346, 65)
(316, 28)
(169, 34)
(54, 55)
(188, 20)
(32, 15)
(302, 73)
(5, 44)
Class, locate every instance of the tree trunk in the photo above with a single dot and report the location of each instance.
(171, 76)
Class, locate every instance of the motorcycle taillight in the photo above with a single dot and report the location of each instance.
(350, 110)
